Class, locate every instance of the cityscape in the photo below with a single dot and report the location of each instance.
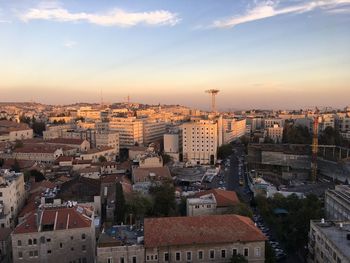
(169, 131)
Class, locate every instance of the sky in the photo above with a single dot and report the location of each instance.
(285, 54)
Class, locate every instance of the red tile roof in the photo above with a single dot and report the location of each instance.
(223, 198)
(60, 217)
(142, 174)
(173, 231)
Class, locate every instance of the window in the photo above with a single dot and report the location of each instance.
(48, 240)
(83, 236)
(211, 254)
(234, 252)
(121, 260)
(133, 259)
(257, 252)
(34, 241)
(71, 238)
(61, 245)
(30, 242)
(0, 194)
(147, 258)
(72, 248)
(177, 256)
(31, 254)
(19, 243)
(189, 256)
(223, 253)
(42, 240)
(49, 252)
(20, 254)
(83, 248)
(200, 255)
(166, 256)
(109, 260)
(246, 252)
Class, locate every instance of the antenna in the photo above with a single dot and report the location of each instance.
(213, 93)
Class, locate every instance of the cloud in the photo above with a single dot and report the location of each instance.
(270, 8)
(70, 44)
(116, 17)
(5, 21)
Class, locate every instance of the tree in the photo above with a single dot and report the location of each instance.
(138, 205)
(296, 134)
(166, 158)
(163, 196)
(24, 119)
(238, 258)
(18, 144)
(119, 211)
(240, 209)
(38, 176)
(224, 151)
(15, 167)
(102, 159)
(38, 127)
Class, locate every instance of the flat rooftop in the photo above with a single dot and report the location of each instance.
(336, 235)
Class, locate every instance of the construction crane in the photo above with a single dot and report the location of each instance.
(213, 93)
(314, 147)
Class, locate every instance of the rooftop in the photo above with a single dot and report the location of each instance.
(61, 217)
(120, 235)
(223, 197)
(173, 231)
(336, 234)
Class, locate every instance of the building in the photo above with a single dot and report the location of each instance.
(270, 122)
(153, 130)
(94, 154)
(12, 197)
(121, 244)
(130, 130)
(337, 203)
(143, 178)
(232, 129)
(53, 234)
(5, 245)
(329, 241)
(275, 133)
(213, 238)
(13, 131)
(200, 141)
(210, 202)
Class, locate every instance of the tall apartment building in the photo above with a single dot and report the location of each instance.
(232, 129)
(270, 122)
(12, 197)
(56, 234)
(275, 133)
(130, 130)
(153, 130)
(200, 141)
(329, 242)
(337, 203)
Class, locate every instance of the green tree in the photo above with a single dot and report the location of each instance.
(15, 167)
(38, 127)
(224, 151)
(296, 134)
(240, 209)
(163, 196)
(38, 176)
(166, 158)
(238, 259)
(102, 159)
(24, 119)
(138, 205)
(119, 211)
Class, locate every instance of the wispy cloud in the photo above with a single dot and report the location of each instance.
(70, 44)
(5, 21)
(116, 17)
(270, 8)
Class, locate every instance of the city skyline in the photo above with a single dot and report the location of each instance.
(270, 54)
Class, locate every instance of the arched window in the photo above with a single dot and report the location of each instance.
(83, 236)
(30, 242)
